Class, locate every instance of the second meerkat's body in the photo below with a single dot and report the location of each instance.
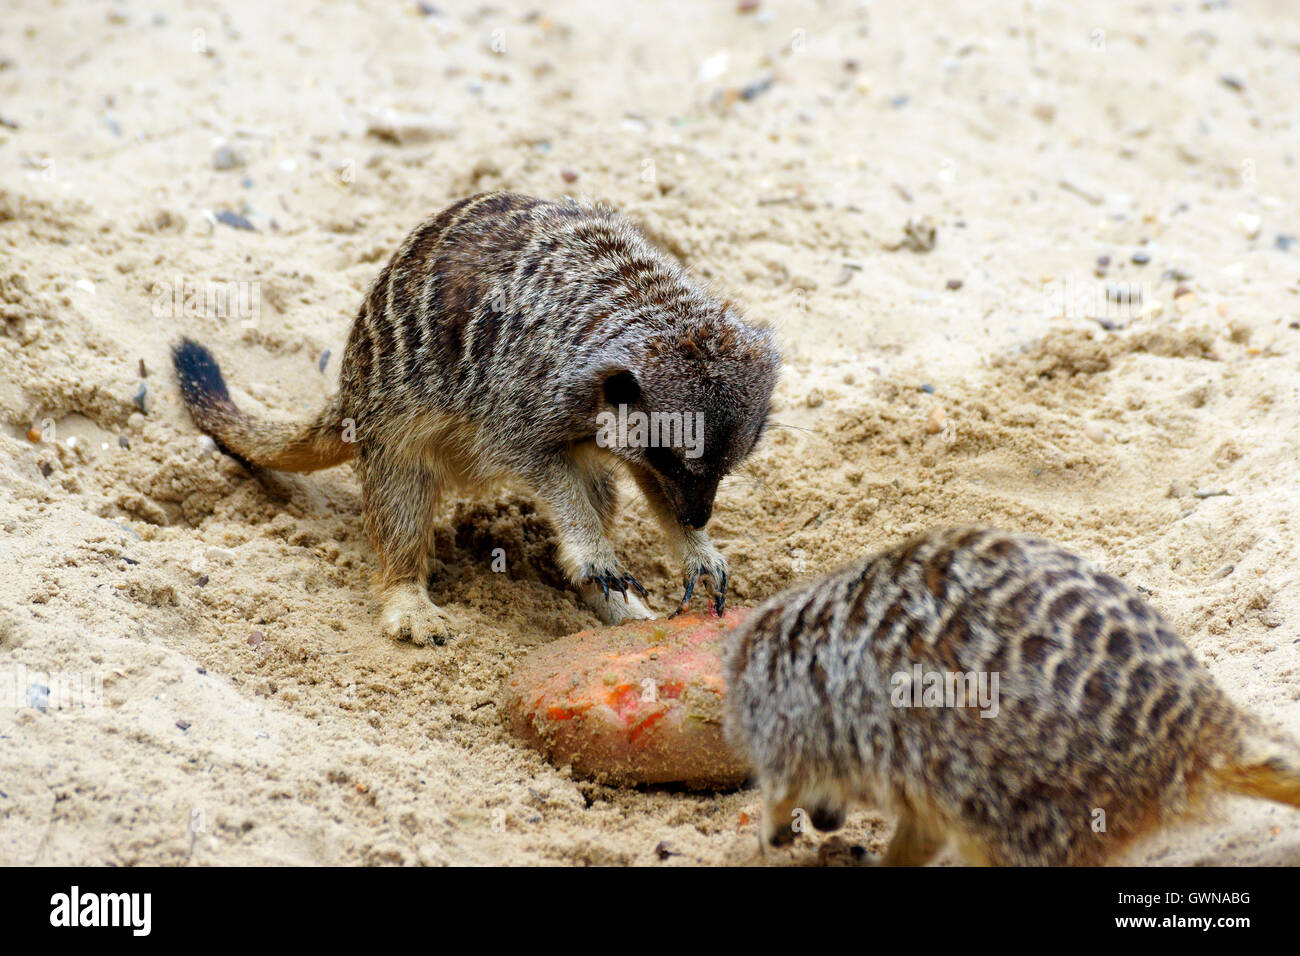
(1104, 723)
(486, 350)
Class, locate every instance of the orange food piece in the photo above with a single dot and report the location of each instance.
(636, 704)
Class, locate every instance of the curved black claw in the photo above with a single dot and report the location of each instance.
(719, 589)
(617, 582)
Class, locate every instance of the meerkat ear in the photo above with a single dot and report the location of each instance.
(622, 388)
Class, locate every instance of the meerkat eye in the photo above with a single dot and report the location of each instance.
(622, 388)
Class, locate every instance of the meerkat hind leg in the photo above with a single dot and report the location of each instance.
(913, 843)
(777, 823)
(399, 499)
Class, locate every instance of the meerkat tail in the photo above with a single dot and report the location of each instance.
(1267, 768)
(284, 446)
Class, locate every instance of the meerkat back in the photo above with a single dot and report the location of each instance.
(992, 690)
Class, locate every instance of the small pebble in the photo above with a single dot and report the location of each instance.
(1233, 83)
(569, 175)
(33, 434)
(206, 445)
(954, 284)
(934, 421)
(1140, 258)
(324, 360)
(234, 220)
(46, 469)
(1103, 261)
(1185, 303)
(919, 235)
(226, 158)
(1283, 242)
(255, 639)
(141, 399)
(754, 90)
(928, 389)
(1250, 225)
(1175, 275)
(202, 581)
(1095, 432)
(183, 724)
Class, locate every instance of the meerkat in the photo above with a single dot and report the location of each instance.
(487, 350)
(1104, 725)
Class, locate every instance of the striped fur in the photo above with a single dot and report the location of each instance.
(1101, 707)
(483, 352)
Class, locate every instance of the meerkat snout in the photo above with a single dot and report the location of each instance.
(695, 430)
(1106, 725)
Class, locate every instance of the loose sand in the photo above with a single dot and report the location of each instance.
(1032, 137)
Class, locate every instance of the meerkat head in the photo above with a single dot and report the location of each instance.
(689, 409)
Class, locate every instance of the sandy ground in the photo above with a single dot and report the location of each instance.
(247, 694)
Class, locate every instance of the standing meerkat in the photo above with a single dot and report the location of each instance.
(494, 344)
(1102, 724)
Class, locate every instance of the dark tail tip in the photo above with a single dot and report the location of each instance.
(199, 375)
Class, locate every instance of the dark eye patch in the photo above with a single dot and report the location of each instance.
(666, 463)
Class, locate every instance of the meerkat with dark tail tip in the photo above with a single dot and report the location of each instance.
(1101, 726)
(499, 343)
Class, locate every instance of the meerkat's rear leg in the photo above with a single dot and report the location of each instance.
(398, 501)
(777, 825)
(914, 843)
(582, 498)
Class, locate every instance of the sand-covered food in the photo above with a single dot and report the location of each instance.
(636, 704)
(1032, 265)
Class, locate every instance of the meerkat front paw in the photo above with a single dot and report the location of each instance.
(705, 561)
(617, 608)
(606, 592)
(611, 579)
(409, 615)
